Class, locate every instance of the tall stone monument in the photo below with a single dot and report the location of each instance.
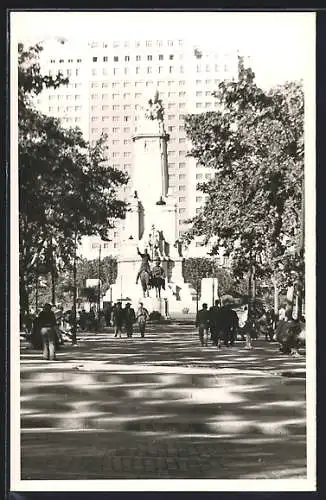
(151, 222)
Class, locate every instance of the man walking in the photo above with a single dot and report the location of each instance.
(118, 319)
(214, 310)
(142, 316)
(129, 319)
(47, 324)
(202, 322)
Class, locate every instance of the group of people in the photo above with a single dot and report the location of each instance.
(125, 319)
(221, 321)
(223, 325)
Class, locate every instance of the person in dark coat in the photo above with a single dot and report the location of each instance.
(47, 324)
(203, 324)
(129, 319)
(213, 311)
(228, 324)
(118, 316)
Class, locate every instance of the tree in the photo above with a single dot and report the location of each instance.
(197, 268)
(254, 141)
(66, 188)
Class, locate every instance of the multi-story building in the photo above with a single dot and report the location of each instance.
(109, 82)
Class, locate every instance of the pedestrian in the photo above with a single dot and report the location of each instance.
(213, 311)
(129, 319)
(92, 318)
(47, 324)
(228, 325)
(83, 319)
(142, 317)
(202, 323)
(118, 318)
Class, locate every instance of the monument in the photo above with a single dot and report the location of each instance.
(151, 222)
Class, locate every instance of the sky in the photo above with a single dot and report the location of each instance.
(281, 45)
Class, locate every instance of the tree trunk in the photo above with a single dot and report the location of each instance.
(74, 307)
(276, 295)
(24, 297)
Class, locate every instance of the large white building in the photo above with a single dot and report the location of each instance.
(109, 82)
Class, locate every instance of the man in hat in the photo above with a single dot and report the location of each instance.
(129, 319)
(47, 324)
(118, 315)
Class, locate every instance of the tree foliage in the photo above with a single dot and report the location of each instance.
(254, 142)
(66, 188)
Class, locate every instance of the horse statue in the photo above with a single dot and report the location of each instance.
(145, 279)
(158, 283)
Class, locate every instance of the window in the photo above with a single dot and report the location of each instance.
(226, 68)
(68, 72)
(198, 104)
(137, 95)
(182, 210)
(182, 165)
(126, 154)
(160, 69)
(207, 68)
(171, 105)
(93, 108)
(170, 69)
(126, 84)
(149, 69)
(115, 141)
(207, 104)
(127, 58)
(182, 188)
(115, 130)
(160, 57)
(94, 118)
(94, 84)
(182, 105)
(182, 82)
(77, 108)
(127, 129)
(105, 59)
(172, 152)
(182, 199)
(149, 58)
(160, 83)
(125, 71)
(199, 94)
(115, 107)
(137, 70)
(126, 96)
(105, 85)
(159, 43)
(126, 118)
(199, 199)
(208, 82)
(198, 82)
(104, 71)
(77, 72)
(105, 118)
(170, 43)
(182, 94)
(79, 60)
(94, 59)
(52, 61)
(171, 128)
(61, 60)
(138, 58)
(171, 56)
(115, 154)
(105, 96)
(115, 96)
(77, 97)
(182, 153)
(115, 71)
(148, 83)
(115, 84)
(170, 83)
(126, 141)
(115, 118)
(182, 177)
(115, 58)
(198, 68)
(199, 176)
(182, 140)
(148, 43)
(94, 72)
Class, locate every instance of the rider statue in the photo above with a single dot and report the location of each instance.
(145, 260)
(159, 273)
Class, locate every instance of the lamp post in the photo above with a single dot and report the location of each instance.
(74, 299)
(99, 279)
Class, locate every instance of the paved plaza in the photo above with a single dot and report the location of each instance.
(162, 407)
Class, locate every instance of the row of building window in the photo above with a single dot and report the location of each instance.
(61, 61)
(138, 70)
(137, 58)
(137, 43)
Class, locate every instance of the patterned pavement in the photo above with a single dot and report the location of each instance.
(162, 407)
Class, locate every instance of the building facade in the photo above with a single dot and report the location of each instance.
(109, 83)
